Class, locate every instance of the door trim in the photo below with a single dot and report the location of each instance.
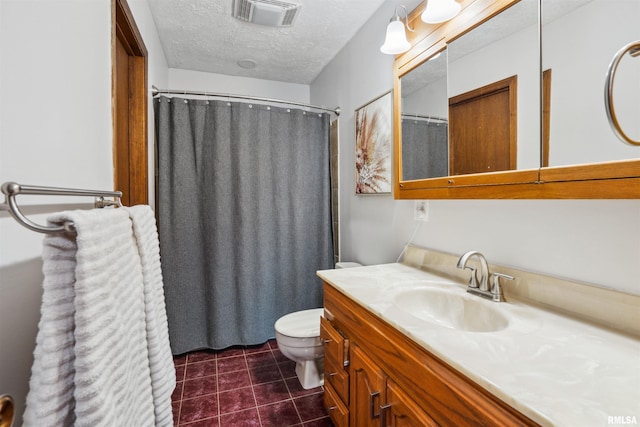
(124, 29)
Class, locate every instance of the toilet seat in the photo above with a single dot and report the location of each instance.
(300, 324)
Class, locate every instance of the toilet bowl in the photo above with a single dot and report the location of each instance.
(298, 338)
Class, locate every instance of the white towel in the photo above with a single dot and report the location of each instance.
(163, 373)
(91, 362)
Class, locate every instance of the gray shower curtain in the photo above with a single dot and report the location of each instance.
(244, 217)
(425, 149)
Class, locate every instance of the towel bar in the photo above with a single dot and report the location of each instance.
(13, 189)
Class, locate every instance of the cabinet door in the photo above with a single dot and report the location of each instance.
(366, 390)
(401, 411)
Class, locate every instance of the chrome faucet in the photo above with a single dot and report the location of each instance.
(483, 284)
(480, 286)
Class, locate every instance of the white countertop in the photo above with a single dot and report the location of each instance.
(556, 370)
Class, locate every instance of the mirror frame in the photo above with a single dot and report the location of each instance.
(606, 180)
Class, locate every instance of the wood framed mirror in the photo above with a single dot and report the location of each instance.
(526, 172)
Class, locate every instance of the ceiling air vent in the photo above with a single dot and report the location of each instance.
(272, 13)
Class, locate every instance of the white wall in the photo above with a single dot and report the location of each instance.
(221, 83)
(597, 242)
(431, 100)
(55, 116)
(55, 130)
(371, 229)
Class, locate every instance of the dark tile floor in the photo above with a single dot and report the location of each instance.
(248, 386)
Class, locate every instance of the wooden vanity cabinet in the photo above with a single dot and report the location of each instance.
(395, 382)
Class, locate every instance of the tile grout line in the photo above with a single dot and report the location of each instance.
(290, 394)
(218, 390)
(253, 392)
(282, 378)
(184, 376)
(199, 378)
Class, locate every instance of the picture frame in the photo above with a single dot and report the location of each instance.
(374, 138)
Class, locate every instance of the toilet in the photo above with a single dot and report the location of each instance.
(298, 338)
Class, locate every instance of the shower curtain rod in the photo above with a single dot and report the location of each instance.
(418, 116)
(12, 189)
(155, 92)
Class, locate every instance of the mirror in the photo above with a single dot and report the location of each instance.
(558, 120)
(579, 40)
(494, 94)
(474, 107)
(425, 151)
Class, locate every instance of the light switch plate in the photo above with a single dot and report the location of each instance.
(421, 210)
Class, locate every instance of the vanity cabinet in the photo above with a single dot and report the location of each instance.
(392, 381)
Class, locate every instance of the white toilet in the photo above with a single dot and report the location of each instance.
(298, 338)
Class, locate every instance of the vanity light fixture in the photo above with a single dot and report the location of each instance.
(438, 11)
(435, 12)
(396, 40)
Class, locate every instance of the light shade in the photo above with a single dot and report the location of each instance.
(396, 39)
(438, 11)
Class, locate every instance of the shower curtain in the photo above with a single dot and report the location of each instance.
(244, 217)
(425, 151)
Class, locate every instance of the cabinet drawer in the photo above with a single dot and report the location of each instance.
(338, 377)
(335, 345)
(338, 412)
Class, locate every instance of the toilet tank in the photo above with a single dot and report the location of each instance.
(347, 264)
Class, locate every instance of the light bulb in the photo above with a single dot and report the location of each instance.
(396, 39)
(438, 11)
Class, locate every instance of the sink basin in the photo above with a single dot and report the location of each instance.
(452, 310)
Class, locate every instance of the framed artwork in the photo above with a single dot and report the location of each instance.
(374, 137)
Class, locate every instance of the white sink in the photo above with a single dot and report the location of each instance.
(451, 309)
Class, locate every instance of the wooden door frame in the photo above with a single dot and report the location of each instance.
(125, 30)
(546, 117)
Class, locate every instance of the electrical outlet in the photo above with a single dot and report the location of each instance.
(421, 210)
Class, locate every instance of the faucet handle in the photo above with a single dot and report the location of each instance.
(473, 280)
(496, 289)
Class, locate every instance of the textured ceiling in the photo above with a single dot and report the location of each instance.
(202, 35)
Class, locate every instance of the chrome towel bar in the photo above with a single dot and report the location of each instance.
(13, 189)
